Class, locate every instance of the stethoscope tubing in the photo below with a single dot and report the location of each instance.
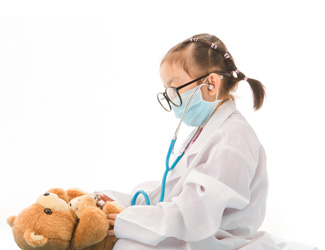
(163, 183)
(168, 168)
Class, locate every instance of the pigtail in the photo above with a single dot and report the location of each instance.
(257, 87)
(258, 90)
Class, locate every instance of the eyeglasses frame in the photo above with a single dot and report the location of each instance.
(182, 86)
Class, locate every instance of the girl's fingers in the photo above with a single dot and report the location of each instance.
(104, 197)
(110, 233)
(111, 222)
(111, 216)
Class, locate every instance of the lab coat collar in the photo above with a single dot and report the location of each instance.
(215, 122)
(221, 114)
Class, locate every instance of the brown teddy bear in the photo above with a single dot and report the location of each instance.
(64, 220)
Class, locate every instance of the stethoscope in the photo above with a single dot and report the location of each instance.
(170, 151)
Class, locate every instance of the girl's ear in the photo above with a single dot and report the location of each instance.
(214, 80)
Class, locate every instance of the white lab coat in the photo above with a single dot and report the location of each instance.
(215, 197)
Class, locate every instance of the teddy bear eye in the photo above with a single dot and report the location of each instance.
(47, 211)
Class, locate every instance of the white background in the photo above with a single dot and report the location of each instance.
(78, 108)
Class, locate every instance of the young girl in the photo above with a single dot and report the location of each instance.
(215, 197)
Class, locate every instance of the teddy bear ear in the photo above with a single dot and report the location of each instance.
(60, 193)
(74, 192)
(34, 240)
(11, 220)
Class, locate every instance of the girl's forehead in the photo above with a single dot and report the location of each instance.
(172, 69)
(170, 72)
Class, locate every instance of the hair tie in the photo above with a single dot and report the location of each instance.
(194, 39)
(246, 78)
(227, 55)
(237, 71)
(214, 46)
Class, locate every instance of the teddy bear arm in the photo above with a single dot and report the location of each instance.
(113, 207)
(91, 229)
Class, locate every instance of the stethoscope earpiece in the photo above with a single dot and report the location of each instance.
(211, 87)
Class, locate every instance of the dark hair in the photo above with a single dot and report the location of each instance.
(204, 53)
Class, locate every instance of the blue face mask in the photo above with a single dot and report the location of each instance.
(198, 111)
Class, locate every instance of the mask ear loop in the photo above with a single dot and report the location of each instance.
(220, 77)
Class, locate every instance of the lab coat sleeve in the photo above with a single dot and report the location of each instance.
(218, 181)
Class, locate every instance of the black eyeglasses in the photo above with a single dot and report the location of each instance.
(171, 94)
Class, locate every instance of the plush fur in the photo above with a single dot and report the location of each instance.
(64, 220)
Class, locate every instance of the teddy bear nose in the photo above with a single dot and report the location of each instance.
(46, 194)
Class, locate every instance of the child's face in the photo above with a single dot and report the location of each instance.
(175, 76)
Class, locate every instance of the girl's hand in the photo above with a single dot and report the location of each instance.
(104, 197)
(111, 220)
